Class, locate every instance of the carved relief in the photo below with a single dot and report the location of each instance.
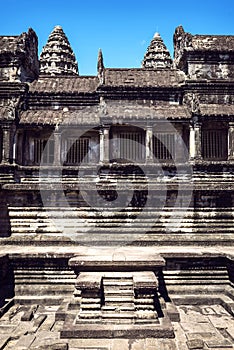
(192, 101)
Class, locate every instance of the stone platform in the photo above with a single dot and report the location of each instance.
(116, 296)
(117, 259)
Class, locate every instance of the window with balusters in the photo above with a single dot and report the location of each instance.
(77, 150)
(164, 146)
(130, 146)
(43, 151)
(214, 143)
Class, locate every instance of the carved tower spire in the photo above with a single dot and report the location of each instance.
(100, 66)
(57, 56)
(157, 54)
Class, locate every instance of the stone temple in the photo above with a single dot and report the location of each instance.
(117, 197)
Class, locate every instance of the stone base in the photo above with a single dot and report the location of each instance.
(119, 302)
(101, 330)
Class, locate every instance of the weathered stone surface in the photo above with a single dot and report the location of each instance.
(4, 340)
(195, 344)
(25, 341)
(50, 345)
(18, 57)
(119, 260)
(28, 314)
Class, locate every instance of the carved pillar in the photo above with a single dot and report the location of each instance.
(57, 148)
(104, 144)
(231, 141)
(6, 144)
(195, 141)
(149, 144)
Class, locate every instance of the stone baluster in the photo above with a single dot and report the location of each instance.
(149, 144)
(231, 141)
(57, 148)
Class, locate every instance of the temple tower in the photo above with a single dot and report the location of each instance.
(57, 56)
(157, 54)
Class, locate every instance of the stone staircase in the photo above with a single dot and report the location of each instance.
(105, 297)
(71, 223)
(118, 298)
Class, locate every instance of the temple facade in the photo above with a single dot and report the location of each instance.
(135, 159)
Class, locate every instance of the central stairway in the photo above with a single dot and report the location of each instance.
(84, 225)
(118, 298)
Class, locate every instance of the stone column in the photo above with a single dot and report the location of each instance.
(15, 141)
(104, 144)
(57, 148)
(101, 144)
(231, 141)
(6, 144)
(179, 151)
(149, 144)
(191, 142)
(195, 141)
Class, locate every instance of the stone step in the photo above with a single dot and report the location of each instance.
(92, 228)
(43, 272)
(131, 213)
(89, 314)
(112, 283)
(90, 301)
(144, 307)
(124, 307)
(121, 229)
(90, 306)
(145, 314)
(103, 214)
(124, 292)
(142, 301)
(118, 315)
(119, 299)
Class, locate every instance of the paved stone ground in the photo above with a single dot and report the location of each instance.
(200, 327)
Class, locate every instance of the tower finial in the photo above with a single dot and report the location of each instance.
(100, 66)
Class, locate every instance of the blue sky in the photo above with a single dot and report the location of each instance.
(123, 29)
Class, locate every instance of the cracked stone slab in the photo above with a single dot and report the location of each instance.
(25, 342)
(4, 340)
(218, 343)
